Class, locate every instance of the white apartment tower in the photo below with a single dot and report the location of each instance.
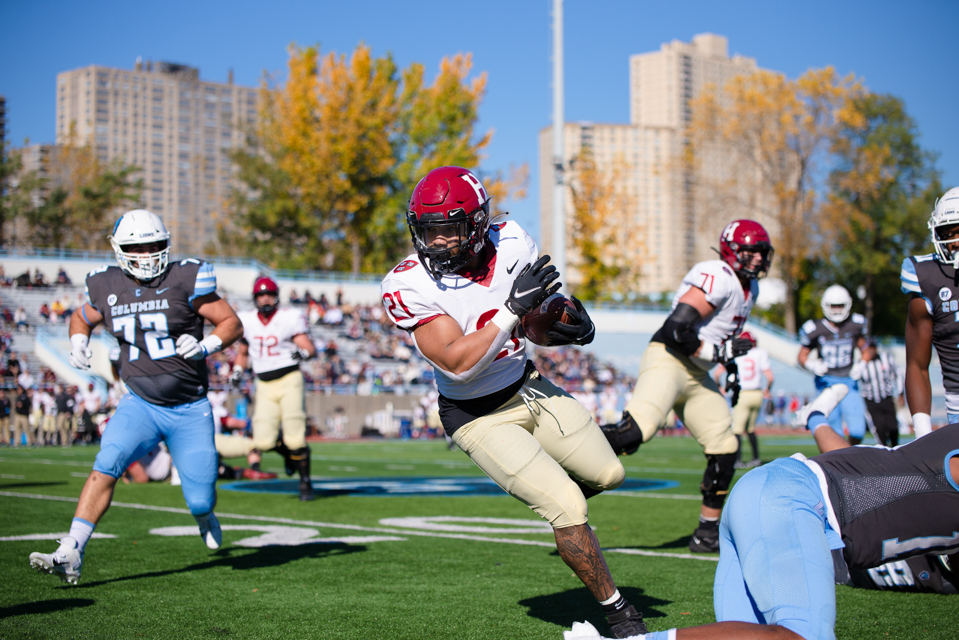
(177, 128)
(648, 151)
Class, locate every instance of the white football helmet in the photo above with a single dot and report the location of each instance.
(836, 303)
(141, 244)
(945, 214)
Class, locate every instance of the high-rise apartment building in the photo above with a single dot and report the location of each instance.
(177, 128)
(646, 155)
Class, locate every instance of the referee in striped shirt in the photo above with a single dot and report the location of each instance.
(880, 381)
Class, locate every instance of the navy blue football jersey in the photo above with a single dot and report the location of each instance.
(146, 319)
(895, 503)
(936, 283)
(834, 343)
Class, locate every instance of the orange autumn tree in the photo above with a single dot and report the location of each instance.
(605, 239)
(339, 147)
(758, 148)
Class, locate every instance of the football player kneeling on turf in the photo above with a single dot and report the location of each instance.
(462, 295)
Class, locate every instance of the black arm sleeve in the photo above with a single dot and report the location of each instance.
(678, 332)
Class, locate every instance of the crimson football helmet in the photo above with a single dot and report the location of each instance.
(748, 236)
(265, 285)
(449, 219)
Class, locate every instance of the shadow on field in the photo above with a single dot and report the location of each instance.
(30, 484)
(576, 605)
(44, 606)
(678, 543)
(241, 559)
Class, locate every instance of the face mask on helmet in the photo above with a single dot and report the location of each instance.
(744, 245)
(266, 295)
(141, 244)
(448, 219)
(836, 303)
(144, 261)
(944, 226)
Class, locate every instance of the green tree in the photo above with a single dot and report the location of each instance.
(881, 192)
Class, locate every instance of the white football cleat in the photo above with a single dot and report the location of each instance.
(64, 562)
(825, 402)
(211, 533)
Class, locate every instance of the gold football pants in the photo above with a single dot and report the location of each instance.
(530, 444)
(280, 401)
(668, 380)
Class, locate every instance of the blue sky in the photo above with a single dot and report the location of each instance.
(902, 48)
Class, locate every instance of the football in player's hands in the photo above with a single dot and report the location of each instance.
(539, 321)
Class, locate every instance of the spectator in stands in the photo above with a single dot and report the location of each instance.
(21, 416)
(62, 277)
(45, 312)
(26, 379)
(13, 365)
(4, 417)
(20, 319)
(294, 298)
(56, 311)
(39, 280)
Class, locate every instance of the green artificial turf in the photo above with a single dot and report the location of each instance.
(426, 585)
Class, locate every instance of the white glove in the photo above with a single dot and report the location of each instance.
(817, 367)
(189, 348)
(80, 353)
(921, 424)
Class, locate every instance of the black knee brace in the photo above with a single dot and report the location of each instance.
(624, 437)
(719, 473)
(588, 492)
(301, 458)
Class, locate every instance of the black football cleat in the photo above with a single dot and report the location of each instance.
(624, 437)
(704, 541)
(626, 623)
(306, 490)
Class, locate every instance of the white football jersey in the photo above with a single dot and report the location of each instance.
(751, 367)
(725, 292)
(412, 298)
(271, 342)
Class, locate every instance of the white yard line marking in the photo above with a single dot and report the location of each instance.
(648, 494)
(52, 536)
(11, 476)
(354, 527)
(66, 463)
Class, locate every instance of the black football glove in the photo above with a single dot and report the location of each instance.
(300, 355)
(581, 331)
(732, 349)
(732, 381)
(236, 377)
(532, 286)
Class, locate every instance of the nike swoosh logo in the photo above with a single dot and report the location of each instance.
(205, 414)
(510, 269)
(159, 291)
(523, 294)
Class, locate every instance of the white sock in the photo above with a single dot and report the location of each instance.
(80, 531)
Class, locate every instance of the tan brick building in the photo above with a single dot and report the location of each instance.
(662, 85)
(177, 128)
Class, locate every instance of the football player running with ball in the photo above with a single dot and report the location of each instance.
(156, 310)
(276, 340)
(709, 310)
(834, 337)
(462, 295)
(931, 281)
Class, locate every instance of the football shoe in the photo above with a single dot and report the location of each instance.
(211, 533)
(65, 562)
(825, 403)
(626, 623)
(705, 541)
